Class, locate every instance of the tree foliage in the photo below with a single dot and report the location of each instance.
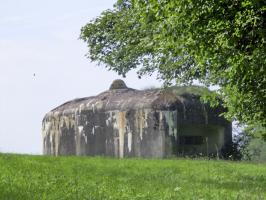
(215, 42)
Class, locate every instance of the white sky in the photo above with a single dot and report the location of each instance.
(41, 37)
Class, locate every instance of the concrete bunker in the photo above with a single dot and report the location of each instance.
(124, 122)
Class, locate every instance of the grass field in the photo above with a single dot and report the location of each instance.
(41, 177)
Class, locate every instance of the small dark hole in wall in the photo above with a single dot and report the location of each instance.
(191, 140)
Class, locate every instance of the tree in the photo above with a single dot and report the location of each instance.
(215, 42)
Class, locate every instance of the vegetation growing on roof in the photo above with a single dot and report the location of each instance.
(206, 95)
(193, 89)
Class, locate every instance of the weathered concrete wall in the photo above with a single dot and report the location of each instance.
(130, 123)
(115, 133)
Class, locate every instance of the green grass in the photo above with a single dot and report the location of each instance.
(42, 177)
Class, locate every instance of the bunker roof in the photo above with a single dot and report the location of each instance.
(120, 97)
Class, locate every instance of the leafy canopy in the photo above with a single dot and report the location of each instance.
(215, 42)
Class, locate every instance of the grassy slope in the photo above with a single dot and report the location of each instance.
(40, 177)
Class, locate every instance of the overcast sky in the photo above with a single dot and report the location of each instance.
(41, 38)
